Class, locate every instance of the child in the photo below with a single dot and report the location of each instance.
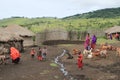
(39, 54)
(80, 61)
(44, 52)
(88, 47)
(32, 53)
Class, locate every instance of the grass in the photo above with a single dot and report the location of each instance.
(103, 40)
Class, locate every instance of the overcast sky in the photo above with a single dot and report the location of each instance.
(52, 8)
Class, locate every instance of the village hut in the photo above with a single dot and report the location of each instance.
(8, 40)
(112, 31)
(26, 34)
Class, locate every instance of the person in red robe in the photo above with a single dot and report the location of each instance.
(15, 55)
(80, 61)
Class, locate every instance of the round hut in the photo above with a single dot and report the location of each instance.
(26, 34)
(8, 39)
(112, 31)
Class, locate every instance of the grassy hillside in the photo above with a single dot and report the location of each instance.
(103, 13)
(82, 22)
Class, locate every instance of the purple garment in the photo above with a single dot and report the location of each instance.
(111, 36)
(94, 39)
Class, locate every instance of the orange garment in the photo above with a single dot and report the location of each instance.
(80, 63)
(14, 53)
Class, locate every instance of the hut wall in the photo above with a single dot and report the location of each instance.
(28, 41)
(74, 35)
(56, 35)
(59, 35)
(77, 35)
(7, 45)
(51, 35)
(97, 32)
(40, 37)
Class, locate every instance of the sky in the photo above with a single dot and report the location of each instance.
(52, 8)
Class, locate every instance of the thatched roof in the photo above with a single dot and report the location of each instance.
(113, 29)
(6, 36)
(18, 30)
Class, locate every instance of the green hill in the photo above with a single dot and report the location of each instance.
(99, 19)
(103, 13)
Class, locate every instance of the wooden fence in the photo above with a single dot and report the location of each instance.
(59, 35)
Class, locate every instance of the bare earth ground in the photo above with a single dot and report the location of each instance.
(32, 69)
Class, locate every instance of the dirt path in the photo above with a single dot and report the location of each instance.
(32, 69)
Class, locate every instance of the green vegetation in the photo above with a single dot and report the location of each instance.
(104, 13)
(103, 40)
(40, 24)
(99, 19)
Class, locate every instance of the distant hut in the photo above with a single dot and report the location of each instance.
(26, 34)
(8, 39)
(113, 31)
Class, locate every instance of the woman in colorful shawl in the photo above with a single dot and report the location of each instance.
(93, 42)
(15, 55)
(87, 41)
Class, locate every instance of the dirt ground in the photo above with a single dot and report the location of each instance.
(32, 69)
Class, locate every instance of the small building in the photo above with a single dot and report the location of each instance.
(26, 34)
(8, 39)
(113, 31)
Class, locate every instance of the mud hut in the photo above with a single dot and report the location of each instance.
(113, 31)
(26, 34)
(8, 39)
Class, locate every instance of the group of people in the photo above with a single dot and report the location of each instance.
(15, 55)
(90, 42)
(41, 53)
(113, 36)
